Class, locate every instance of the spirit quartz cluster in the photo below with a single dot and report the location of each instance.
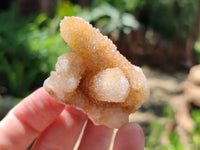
(95, 77)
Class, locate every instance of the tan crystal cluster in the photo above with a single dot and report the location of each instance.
(95, 77)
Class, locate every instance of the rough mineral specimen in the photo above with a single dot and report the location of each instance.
(95, 77)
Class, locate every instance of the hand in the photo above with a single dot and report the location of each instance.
(56, 127)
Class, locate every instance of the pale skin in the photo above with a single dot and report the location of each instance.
(54, 126)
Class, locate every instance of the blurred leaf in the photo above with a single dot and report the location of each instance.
(197, 49)
(109, 19)
(130, 21)
(29, 48)
(155, 134)
(66, 8)
(196, 116)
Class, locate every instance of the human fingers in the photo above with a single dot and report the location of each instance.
(129, 137)
(95, 137)
(26, 120)
(63, 132)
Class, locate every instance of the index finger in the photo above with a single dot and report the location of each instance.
(26, 120)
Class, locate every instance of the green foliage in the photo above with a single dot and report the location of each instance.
(196, 117)
(121, 5)
(29, 47)
(66, 8)
(162, 138)
(169, 112)
(109, 19)
(156, 131)
(173, 19)
(197, 49)
(195, 135)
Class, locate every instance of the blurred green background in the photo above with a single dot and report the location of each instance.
(160, 35)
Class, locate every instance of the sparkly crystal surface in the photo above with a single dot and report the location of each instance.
(95, 77)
